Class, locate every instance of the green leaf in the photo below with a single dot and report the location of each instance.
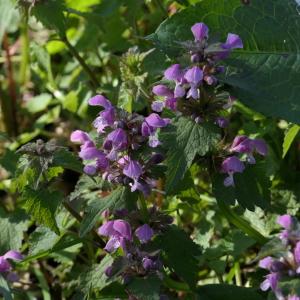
(95, 278)
(9, 161)
(38, 103)
(252, 188)
(5, 290)
(289, 138)
(13, 226)
(67, 160)
(117, 199)
(7, 11)
(70, 102)
(224, 291)
(145, 288)
(43, 58)
(185, 141)
(180, 253)
(55, 20)
(265, 74)
(41, 205)
(42, 239)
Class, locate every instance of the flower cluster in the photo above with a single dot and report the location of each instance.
(286, 265)
(133, 236)
(121, 135)
(244, 147)
(5, 266)
(193, 89)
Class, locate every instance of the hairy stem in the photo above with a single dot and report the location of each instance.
(175, 285)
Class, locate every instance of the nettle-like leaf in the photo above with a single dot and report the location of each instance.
(55, 20)
(41, 205)
(145, 288)
(4, 289)
(265, 74)
(224, 291)
(252, 188)
(13, 225)
(184, 141)
(117, 199)
(94, 278)
(179, 253)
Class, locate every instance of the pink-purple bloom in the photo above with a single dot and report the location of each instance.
(230, 166)
(5, 265)
(200, 31)
(118, 231)
(144, 233)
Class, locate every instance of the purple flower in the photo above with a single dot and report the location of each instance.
(171, 103)
(157, 106)
(119, 231)
(4, 260)
(230, 166)
(107, 116)
(174, 73)
(118, 139)
(293, 297)
(155, 121)
(233, 41)
(194, 75)
(193, 92)
(266, 262)
(79, 136)
(286, 221)
(162, 90)
(241, 144)
(144, 233)
(271, 281)
(100, 100)
(148, 263)
(88, 151)
(90, 169)
(297, 253)
(179, 91)
(260, 146)
(222, 122)
(200, 31)
(133, 170)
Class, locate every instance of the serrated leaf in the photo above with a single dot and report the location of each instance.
(176, 245)
(184, 142)
(252, 188)
(117, 199)
(41, 205)
(145, 288)
(13, 226)
(289, 138)
(265, 74)
(224, 291)
(95, 278)
(67, 160)
(55, 20)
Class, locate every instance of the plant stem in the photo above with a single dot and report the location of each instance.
(143, 208)
(78, 217)
(175, 285)
(12, 104)
(237, 273)
(241, 223)
(85, 67)
(23, 76)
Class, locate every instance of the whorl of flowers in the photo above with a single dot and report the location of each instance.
(131, 234)
(286, 265)
(192, 89)
(117, 157)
